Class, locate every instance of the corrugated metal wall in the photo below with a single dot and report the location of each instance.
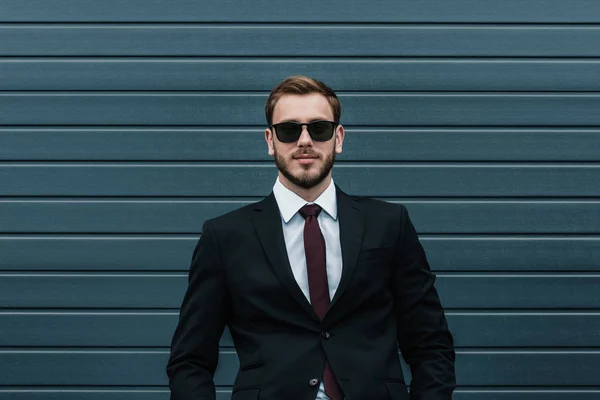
(125, 124)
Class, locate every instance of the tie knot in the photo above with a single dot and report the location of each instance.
(310, 210)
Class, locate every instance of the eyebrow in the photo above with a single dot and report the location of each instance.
(298, 122)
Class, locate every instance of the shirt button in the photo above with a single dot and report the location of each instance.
(313, 382)
(325, 334)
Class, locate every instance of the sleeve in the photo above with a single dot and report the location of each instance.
(204, 313)
(423, 335)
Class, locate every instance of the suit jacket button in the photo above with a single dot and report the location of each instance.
(313, 382)
(325, 334)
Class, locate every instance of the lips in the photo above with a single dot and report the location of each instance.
(305, 155)
(305, 159)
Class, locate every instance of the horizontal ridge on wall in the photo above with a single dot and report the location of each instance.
(147, 367)
(174, 252)
(260, 74)
(557, 11)
(298, 40)
(257, 179)
(360, 144)
(370, 109)
(222, 393)
(495, 329)
(166, 290)
(155, 216)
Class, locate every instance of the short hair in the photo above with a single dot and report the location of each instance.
(302, 85)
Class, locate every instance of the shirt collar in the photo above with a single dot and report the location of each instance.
(290, 203)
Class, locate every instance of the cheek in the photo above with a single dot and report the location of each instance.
(285, 149)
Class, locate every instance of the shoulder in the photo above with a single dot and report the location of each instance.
(232, 218)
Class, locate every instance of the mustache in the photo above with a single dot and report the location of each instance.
(305, 153)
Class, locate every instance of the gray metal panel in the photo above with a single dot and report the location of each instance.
(342, 74)
(93, 290)
(525, 253)
(522, 394)
(174, 252)
(187, 216)
(518, 291)
(298, 40)
(75, 393)
(257, 179)
(165, 291)
(525, 329)
(311, 11)
(360, 144)
(527, 368)
(456, 46)
(146, 367)
(155, 329)
(383, 109)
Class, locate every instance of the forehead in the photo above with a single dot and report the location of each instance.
(302, 108)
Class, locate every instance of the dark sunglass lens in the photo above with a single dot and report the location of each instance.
(288, 132)
(321, 130)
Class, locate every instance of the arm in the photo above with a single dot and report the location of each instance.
(423, 335)
(195, 345)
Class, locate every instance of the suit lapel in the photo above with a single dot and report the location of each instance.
(267, 223)
(351, 216)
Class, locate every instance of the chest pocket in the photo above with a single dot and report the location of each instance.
(246, 394)
(374, 253)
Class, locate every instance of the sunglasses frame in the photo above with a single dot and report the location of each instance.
(301, 125)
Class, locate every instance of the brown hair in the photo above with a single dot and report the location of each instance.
(302, 85)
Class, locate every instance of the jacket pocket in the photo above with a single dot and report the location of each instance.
(397, 390)
(245, 394)
(374, 253)
(249, 377)
(257, 364)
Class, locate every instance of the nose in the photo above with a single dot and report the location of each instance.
(304, 139)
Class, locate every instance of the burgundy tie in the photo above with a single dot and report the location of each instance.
(314, 247)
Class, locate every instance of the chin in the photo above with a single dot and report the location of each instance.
(304, 176)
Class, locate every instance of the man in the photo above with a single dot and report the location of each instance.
(318, 288)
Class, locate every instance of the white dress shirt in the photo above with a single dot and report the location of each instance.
(289, 204)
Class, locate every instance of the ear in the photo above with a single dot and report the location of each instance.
(269, 139)
(339, 138)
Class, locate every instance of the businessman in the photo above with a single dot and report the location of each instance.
(319, 289)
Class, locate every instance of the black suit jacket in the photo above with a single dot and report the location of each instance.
(240, 276)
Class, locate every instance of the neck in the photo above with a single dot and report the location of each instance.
(310, 194)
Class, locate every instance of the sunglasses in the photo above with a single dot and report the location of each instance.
(319, 131)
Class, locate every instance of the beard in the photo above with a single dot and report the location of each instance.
(305, 179)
